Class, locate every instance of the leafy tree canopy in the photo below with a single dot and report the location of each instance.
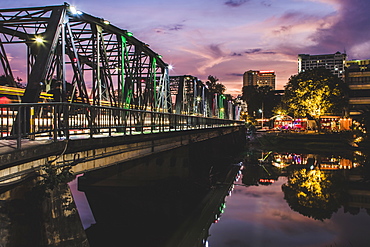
(280, 109)
(314, 93)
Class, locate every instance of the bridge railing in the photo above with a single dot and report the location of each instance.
(66, 120)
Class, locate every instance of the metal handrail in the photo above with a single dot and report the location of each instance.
(53, 120)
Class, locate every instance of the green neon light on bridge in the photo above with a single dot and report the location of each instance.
(154, 66)
(221, 106)
(123, 45)
(124, 57)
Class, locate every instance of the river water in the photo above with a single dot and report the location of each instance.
(198, 196)
(260, 216)
(276, 199)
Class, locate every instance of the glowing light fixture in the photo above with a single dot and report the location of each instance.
(106, 22)
(170, 67)
(39, 39)
(73, 10)
(129, 34)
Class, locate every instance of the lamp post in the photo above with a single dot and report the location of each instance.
(261, 111)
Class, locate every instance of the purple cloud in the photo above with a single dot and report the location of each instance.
(258, 51)
(349, 30)
(265, 3)
(236, 3)
(283, 29)
(293, 15)
(216, 50)
(234, 54)
(235, 74)
(176, 27)
(252, 51)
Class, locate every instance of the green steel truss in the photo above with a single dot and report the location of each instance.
(104, 64)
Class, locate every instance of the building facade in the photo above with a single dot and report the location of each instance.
(333, 62)
(259, 78)
(357, 76)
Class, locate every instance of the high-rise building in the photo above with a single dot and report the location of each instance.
(333, 62)
(357, 62)
(357, 76)
(260, 78)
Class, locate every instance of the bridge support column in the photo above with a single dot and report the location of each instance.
(33, 216)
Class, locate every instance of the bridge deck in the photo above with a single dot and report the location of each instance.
(10, 146)
(84, 153)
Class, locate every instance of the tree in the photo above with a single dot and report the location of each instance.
(280, 109)
(314, 93)
(214, 86)
(10, 82)
(259, 98)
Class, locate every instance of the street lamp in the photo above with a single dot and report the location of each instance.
(261, 111)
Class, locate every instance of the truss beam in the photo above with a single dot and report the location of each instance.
(101, 62)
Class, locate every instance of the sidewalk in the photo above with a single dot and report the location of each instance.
(8, 146)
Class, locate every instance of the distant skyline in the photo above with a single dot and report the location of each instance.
(225, 38)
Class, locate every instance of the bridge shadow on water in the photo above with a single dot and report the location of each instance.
(151, 201)
(158, 200)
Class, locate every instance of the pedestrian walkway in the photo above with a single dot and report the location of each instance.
(9, 146)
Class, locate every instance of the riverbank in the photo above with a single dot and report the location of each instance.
(304, 142)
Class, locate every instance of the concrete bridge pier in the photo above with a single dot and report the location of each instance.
(34, 215)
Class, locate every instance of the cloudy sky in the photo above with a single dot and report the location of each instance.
(225, 38)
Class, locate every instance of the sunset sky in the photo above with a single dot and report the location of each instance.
(225, 38)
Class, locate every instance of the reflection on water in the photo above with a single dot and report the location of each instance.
(177, 199)
(290, 199)
(165, 200)
(84, 210)
(180, 198)
(282, 199)
(260, 216)
(333, 162)
(168, 199)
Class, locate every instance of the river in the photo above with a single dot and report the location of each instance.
(199, 197)
(277, 199)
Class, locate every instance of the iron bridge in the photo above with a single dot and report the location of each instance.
(108, 80)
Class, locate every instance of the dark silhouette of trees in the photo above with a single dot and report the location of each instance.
(260, 99)
(214, 86)
(7, 81)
